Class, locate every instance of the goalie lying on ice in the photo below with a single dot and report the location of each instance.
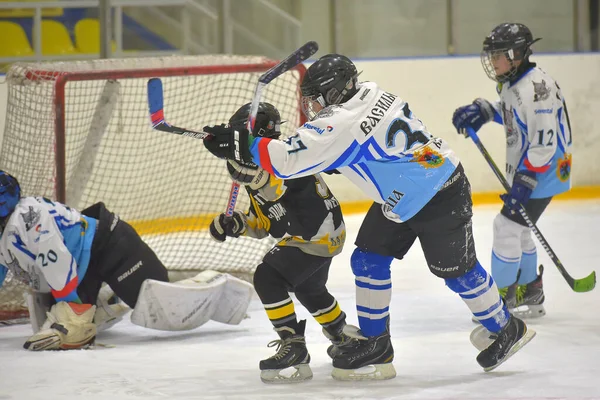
(65, 256)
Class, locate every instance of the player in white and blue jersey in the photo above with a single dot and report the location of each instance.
(538, 157)
(419, 190)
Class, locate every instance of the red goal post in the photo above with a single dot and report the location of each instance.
(79, 132)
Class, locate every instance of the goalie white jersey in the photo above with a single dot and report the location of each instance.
(47, 245)
(376, 141)
(538, 131)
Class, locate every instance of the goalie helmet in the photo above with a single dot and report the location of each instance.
(330, 80)
(268, 121)
(10, 193)
(514, 42)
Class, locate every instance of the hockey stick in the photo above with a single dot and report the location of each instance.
(578, 285)
(156, 104)
(157, 113)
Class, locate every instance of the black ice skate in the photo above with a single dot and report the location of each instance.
(509, 340)
(291, 353)
(340, 342)
(370, 359)
(530, 298)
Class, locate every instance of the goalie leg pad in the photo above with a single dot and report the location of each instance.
(68, 326)
(38, 304)
(235, 298)
(178, 306)
(109, 309)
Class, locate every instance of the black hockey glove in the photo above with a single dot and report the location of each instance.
(229, 142)
(250, 175)
(221, 227)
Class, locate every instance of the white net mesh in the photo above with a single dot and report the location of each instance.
(168, 187)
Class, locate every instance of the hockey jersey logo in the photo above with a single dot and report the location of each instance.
(30, 218)
(511, 135)
(541, 91)
(563, 168)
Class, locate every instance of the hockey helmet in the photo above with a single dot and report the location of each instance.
(268, 120)
(330, 80)
(514, 42)
(10, 193)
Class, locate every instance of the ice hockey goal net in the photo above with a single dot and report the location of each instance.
(79, 132)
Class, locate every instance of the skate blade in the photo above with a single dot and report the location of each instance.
(375, 372)
(529, 312)
(530, 334)
(295, 374)
(481, 338)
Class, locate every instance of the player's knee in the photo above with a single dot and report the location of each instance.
(469, 280)
(527, 243)
(265, 278)
(370, 265)
(507, 232)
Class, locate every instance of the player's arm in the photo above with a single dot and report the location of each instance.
(45, 244)
(309, 151)
(303, 154)
(255, 228)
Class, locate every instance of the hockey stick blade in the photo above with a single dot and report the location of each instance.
(585, 284)
(577, 285)
(157, 113)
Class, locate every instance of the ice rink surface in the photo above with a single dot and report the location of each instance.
(430, 330)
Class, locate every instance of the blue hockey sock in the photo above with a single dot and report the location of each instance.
(528, 267)
(480, 293)
(373, 290)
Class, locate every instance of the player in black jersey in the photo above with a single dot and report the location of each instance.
(307, 220)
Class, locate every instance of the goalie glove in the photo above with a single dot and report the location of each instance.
(67, 326)
(222, 226)
(250, 175)
(229, 142)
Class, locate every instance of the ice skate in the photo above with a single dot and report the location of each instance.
(529, 299)
(340, 342)
(290, 363)
(370, 359)
(509, 340)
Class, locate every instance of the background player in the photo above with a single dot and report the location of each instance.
(419, 190)
(306, 218)
(60, 251)
(538, 157)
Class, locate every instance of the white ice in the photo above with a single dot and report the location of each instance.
(430, 328)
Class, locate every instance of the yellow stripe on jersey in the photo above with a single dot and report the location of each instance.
(262, 219)
(333, 244)
(280, 312)
(278, 184)
(329, 316)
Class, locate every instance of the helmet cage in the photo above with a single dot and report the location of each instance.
(308, 105)
(512, 54)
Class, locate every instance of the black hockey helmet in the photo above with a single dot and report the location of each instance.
(10, 194)
(267, 122)
(330, 80)
(514, 42)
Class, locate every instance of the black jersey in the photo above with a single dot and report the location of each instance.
(300, 212)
